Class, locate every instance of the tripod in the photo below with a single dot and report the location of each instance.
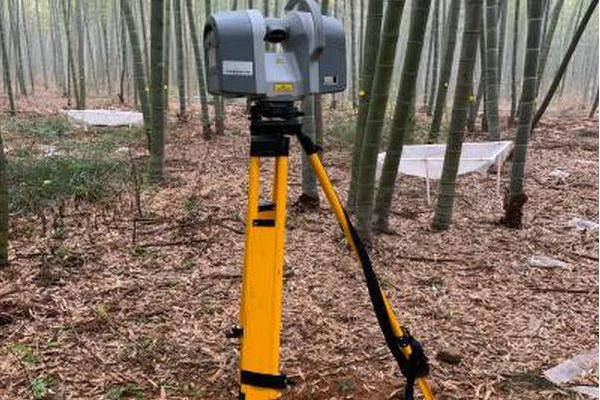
(260, 315)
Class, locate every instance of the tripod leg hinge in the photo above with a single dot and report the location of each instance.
(257, 379)
(307, 144)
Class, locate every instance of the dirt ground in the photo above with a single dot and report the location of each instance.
(137, 307)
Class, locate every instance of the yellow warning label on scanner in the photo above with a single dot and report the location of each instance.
(283, 87)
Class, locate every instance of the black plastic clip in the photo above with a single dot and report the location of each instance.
(235, 332)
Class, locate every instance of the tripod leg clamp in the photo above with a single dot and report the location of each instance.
(257, 379)
(307, 144)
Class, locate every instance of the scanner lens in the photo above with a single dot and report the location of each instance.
(276, 36)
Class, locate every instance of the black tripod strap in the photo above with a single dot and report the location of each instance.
(264, 380)
(412, 367)
(416, 365)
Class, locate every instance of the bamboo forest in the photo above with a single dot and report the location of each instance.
(299, 199)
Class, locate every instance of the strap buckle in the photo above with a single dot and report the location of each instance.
(406, 339)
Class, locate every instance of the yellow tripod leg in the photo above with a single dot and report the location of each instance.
(338, 210)
(262, 288)
(251, 215)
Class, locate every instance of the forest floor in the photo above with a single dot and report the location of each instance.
(111, 297)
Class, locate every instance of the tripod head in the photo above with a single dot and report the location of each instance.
(271, 122)
(284, 110)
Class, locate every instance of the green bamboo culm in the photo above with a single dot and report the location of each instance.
(402, 123)
(21, 12)
(463, 96)
(81, 56)
(516, 197)
(547, 40)
(474, 108)
(104, 34)
(384, 69)
(435, 38)
(30, 48)
(92, 50)
(139, 67)
(180, 58)
(491, 66)
(6, 67)
(218, 101)
(157, 154)
(71, 60)
(166, 52)
(27, 42)
(13, 19)
(206, 131)
(58, 65)
(220, 116)
(318, 99)
(594, 106)
(310, 192)
(545, 17)
(145, 36)
(354, 46)
(369, 57)
(565, 62)
(428, 72)
(3, 205)
(446, 71)
(503, 10)
(572, 26)
(513, 67)
(123, 46)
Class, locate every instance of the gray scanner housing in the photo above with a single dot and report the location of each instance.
(311, 57)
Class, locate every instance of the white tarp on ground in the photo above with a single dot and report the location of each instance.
(427, 160)
(106, 117)
(575, 368)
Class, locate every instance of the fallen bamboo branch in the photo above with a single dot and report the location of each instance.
(174, 243)
(560, 290)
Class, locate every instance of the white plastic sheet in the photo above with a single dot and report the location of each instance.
(106, 117)
(581, 224)
(573, 368)
(427, 160)
(540, 261)
(591, 391)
